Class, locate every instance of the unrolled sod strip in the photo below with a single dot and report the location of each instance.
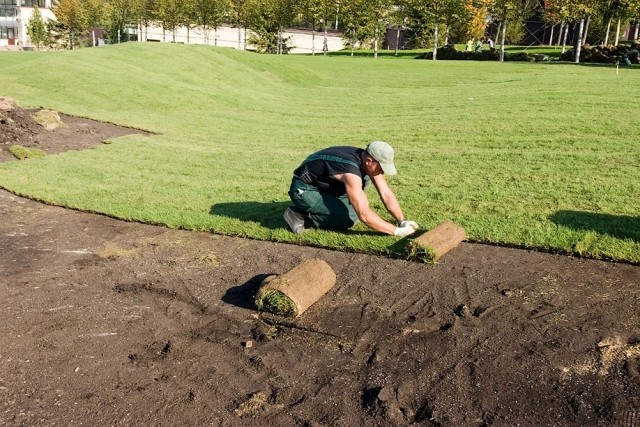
(436, 242)
(291, 293)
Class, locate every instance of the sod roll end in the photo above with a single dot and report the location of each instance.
(436, 242)
(291, 293)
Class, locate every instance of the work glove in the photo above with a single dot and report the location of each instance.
(404, 231)
(407, 223)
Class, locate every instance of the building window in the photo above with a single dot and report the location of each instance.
(7, 33)
(32, 3)
(7, 11)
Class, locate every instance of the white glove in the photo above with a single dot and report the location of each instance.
(407, 223)
(404, 231)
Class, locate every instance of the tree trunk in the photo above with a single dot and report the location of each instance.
(551, 36)
(353, 41)
(435, 41)
(560, 34)
(375, 43)
(397, 40)
(606, 37)
(586, 30)
(325, 43)
(93, 37)
(504, 31)
(566, 35)
(617, 33)
(313, 40)
(239, 38)
(636, 31)
(578, 43)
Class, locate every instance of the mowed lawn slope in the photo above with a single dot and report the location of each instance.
(536, 155)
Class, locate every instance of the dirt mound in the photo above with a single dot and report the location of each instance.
(19, 127)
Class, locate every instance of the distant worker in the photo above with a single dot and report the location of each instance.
(631, 54)
(469, 45)
(492, 45)
(328, 190)
(479, 45)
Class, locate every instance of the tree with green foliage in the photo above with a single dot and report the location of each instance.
(314, 13)
(433, 14)
(170, 14)
(143, 15)
(238, 19)
(119, 14)
(510, 12)
(94, 12)
(354, 22)
(364, 21)
(36, 29)
(208, 15)
(70, 14)
(268, 19)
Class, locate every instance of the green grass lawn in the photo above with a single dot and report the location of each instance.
(533, 155)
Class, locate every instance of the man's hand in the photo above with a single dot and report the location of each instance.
(404, 231)
(407, 223)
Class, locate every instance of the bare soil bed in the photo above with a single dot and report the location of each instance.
(106, 322)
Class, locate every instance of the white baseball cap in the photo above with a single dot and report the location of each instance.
(383, 154)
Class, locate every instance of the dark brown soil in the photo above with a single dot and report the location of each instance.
(106, 322)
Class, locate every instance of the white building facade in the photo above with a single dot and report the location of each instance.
(14, 18)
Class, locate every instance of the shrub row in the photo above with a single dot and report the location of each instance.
(602, 54)
(451, 53)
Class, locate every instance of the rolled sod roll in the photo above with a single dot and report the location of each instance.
(436, 242)
(291, 293)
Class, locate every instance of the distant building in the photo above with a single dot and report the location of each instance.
(14, 17)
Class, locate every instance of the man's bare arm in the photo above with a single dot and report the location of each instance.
(388, 197)
(360, 203)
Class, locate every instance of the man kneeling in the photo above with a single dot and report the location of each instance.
(328, 190)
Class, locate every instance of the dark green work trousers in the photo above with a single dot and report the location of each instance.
(325, 210)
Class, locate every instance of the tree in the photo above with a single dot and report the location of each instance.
(268, 19)
(437, 12)
(364, 20)
(208, 15)
(512, 12)
(170, 13)
(70, 15)
(314, 13)
(354, 22)
(143, 14)
(36, 29)
(119, 13)
(94, 11)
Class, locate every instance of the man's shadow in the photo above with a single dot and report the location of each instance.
(620, 226)
(267, 214)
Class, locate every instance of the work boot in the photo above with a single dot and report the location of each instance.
(295, 220)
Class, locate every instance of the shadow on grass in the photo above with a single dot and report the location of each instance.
(267, 214)
(243, 296)
(620, 226)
